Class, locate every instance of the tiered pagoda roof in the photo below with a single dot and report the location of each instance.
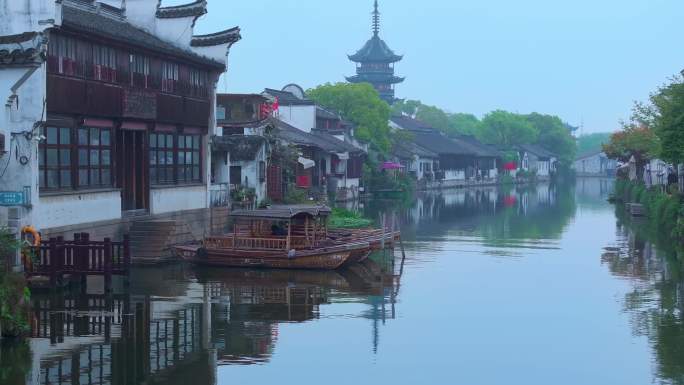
(376, 61)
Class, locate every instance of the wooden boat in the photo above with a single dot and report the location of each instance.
(328, 258)
(377, 238)
(282, 237)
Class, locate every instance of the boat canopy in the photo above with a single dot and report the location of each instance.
(283, 212)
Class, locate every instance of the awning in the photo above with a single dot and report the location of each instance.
(343, 156)
(306, 163)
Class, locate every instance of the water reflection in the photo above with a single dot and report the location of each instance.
(655, 301)
(446, 302)
(175, 325)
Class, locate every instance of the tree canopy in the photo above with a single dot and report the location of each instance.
(592, 142)
(360, 104)
(665, 114)
(554, 136)
(633, 140)
(507, 129)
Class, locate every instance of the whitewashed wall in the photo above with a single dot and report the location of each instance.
(301, 117)
(172, 199)
(19, 16)
(73, 209)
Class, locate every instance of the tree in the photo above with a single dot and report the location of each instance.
(592, 142)
(554, 136)
(360, 104)
(636, 141)
(467, 124)
(665, 114)
(507, 129)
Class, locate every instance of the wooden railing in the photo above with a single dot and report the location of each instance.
(81, 256)
(255, 243)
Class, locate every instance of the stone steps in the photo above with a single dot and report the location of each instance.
(150, 241)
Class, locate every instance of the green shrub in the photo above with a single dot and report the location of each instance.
(346, 219)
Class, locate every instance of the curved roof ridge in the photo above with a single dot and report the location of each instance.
(197, 8)
(230, 35)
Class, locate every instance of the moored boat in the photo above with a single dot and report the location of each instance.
(281, 237)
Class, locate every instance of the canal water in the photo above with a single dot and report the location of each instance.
(535, 285)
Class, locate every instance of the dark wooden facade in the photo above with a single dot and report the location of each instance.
(153, 109)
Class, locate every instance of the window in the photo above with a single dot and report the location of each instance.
(104, 63)
(62, 55)
(54, 160)
(140, 70)
(94, 157)
(189, 158)
(175, 158)
(161, 159)
(198, 82)
(262, 171)
(169, 77)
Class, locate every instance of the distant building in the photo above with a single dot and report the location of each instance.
(538, 160)
(595, 163)
(435, 158)
(375, 63)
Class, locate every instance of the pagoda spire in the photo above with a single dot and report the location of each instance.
(376, 20)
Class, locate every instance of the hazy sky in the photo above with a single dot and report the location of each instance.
(584, 60)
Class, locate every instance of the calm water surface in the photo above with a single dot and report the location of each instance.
(540, 285)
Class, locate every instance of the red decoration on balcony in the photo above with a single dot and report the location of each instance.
(303, 181)
(510, 166)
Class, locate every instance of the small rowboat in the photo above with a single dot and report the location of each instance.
(375, 237)
(328, 258)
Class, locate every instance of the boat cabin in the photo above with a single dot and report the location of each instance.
(276, 228)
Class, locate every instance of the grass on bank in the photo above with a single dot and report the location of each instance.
(347, 219)
(665, 210)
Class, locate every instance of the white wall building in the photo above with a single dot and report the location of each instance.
(108, 110)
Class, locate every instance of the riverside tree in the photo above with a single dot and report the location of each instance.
(634, 140)
(360, 104)
(507, 129)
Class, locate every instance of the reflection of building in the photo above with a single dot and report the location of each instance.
(173, 328)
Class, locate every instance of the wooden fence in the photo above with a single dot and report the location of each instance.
(82, 257)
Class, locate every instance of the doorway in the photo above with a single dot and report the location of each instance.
(132, 171)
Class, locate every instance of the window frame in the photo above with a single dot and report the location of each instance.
(99, 171)
(68, 167)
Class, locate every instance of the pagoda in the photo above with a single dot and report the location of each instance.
(375, 63)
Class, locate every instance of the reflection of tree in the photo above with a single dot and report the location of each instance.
(500, 216)
(655, 303)
(15, 362)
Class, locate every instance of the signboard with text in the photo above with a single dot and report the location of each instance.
(11, 198)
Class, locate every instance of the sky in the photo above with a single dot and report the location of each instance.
(586, 61)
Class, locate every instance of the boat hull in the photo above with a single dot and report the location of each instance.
(320, 259)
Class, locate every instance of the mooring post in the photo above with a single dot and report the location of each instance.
(108, 265)
(53, 262)
(127, 258)
(84, 261)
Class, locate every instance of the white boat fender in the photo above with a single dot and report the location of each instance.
(292, 253)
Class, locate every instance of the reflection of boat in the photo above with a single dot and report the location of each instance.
(281, 237)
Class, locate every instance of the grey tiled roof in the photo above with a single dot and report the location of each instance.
(92, 23)
(375, 50)
(288, 98)
(319, 140)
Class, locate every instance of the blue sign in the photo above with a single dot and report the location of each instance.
(11, 198)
